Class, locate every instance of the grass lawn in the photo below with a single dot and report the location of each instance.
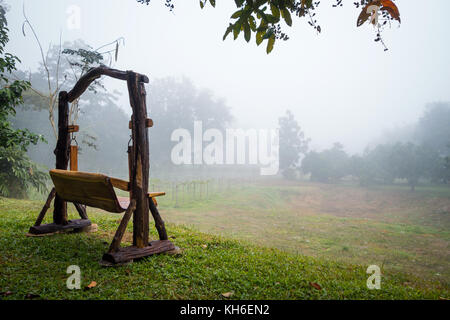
(209, 265)
(386, 226)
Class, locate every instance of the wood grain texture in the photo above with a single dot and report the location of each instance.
(148, 124)
(139, 159)
(91, 189)
(120, 184)
(74, 128)
(130, 253)
(73, 158)
(93, 74)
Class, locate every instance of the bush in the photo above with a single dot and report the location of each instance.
(18, 174)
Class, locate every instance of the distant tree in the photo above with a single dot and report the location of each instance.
(413, 162)
(17, 172)
(293, 144)
(438, 169)
(264, 17)
(313, 163)
(433, 129)
(446, 169)
(327, 166)
(178, 104)
(363, 169)
(95, 111)
(384, 162)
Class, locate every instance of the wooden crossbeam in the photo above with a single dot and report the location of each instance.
(148, 124)
(73, 129)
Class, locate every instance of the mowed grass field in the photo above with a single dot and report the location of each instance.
(271, 240)
(388, 226)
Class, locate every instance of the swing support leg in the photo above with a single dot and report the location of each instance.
(51, 228)
(45, 208)
(81, 211)
(115, 244)
(159, 223)
(117, 255)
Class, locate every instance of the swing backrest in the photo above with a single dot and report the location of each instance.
(91, 189)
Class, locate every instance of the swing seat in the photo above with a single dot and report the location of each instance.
(93, 190)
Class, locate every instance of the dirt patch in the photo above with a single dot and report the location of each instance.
(382, 205)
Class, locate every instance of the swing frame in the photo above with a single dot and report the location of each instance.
(141, 202)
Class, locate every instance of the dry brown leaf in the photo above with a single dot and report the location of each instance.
(315, 285)
(228, 294)
(390, 7)
(91, 285)
(386, 5)
(364, 16)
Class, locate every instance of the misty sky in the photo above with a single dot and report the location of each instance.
(340, 84)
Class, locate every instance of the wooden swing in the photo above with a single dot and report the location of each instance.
(97, 190)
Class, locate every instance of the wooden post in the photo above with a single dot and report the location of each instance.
(62, 155)
(140, 159)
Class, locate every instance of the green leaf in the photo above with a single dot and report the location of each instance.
(237, 14)
(201, 4)
(227, 32)
(259, 37)
(213, 3)
(247, 32)
(275, 11)
(287, 17)
(252, 22)
(236, 29)
(239, 3)
(270, 44)
(268, 18)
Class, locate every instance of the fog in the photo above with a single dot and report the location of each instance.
(329, 147)
(340, 84)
